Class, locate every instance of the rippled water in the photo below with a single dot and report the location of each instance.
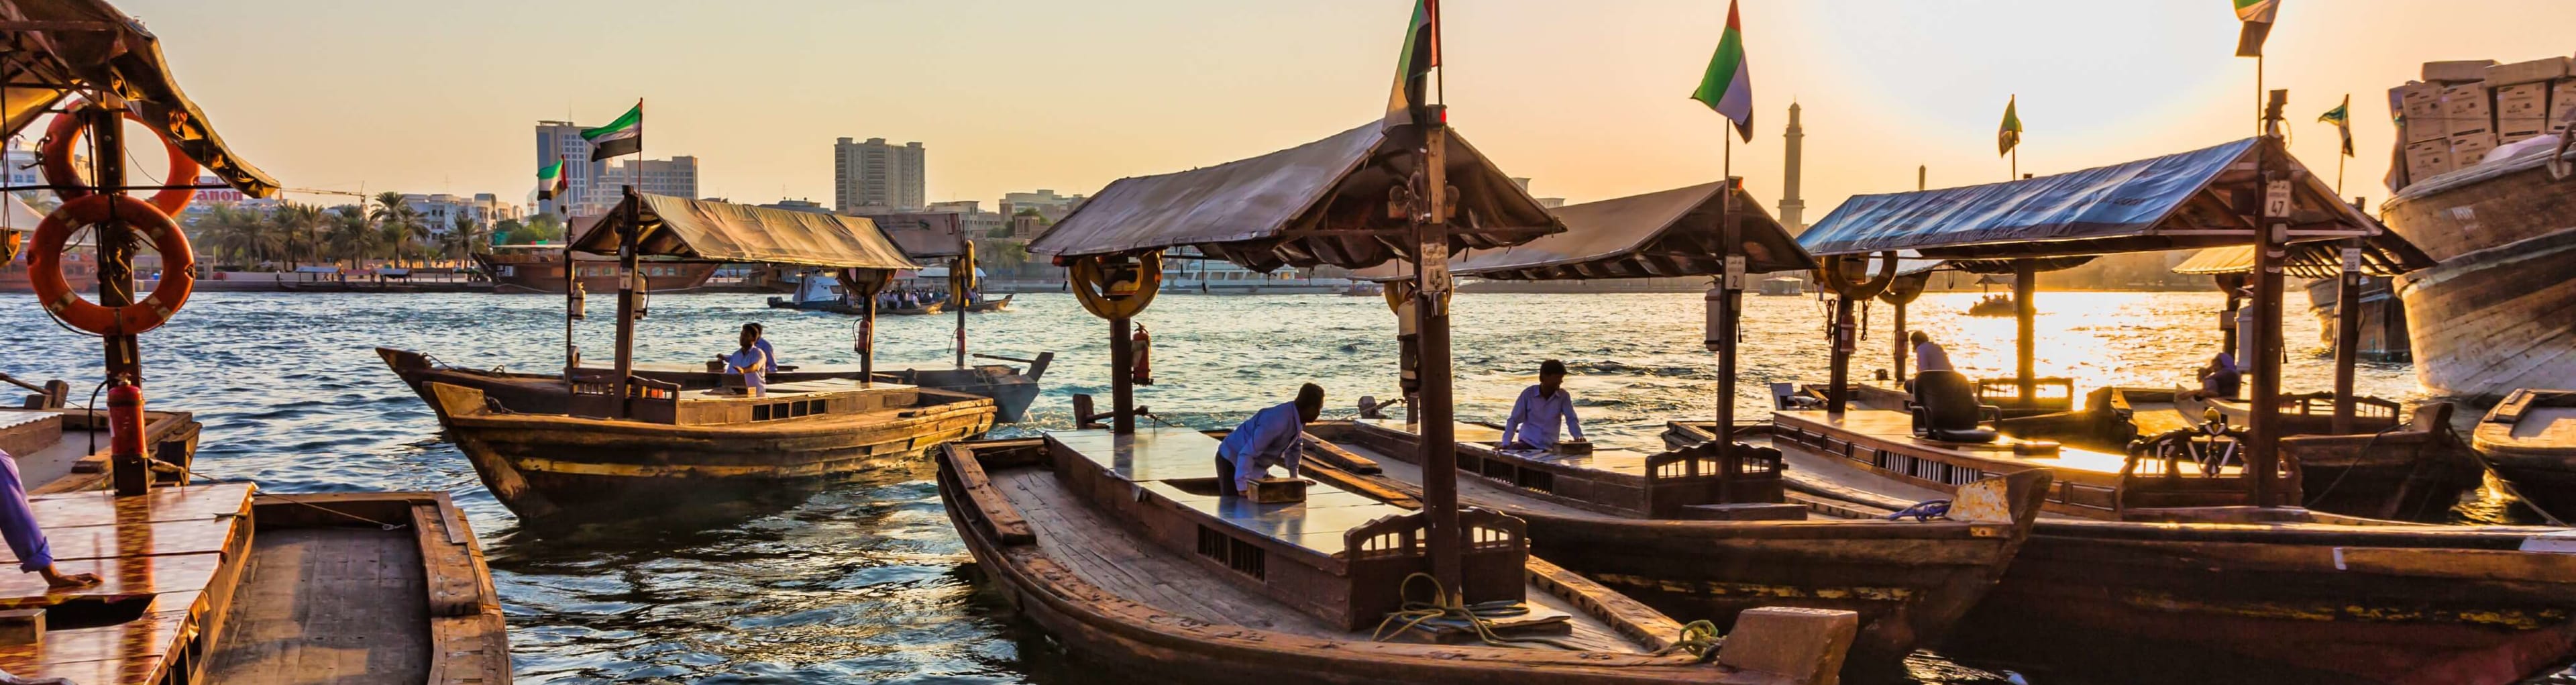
(866, 582)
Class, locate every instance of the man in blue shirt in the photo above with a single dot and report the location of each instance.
(26, 539)
(760, 339)
(1271, 436)
(1540, 409)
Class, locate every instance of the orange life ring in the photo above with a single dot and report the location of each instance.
(45, 269)
(61, 173)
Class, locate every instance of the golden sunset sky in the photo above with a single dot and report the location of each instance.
(1588, 98)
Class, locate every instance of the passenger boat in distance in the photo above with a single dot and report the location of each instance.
(2189, 542)
(602, 441)
(1118, 543)
(2530, 438)
(1697, 531)
(1012, 386)
(540, 269)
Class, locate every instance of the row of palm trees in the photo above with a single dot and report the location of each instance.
(384, 227)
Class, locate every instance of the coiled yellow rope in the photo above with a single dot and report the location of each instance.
(1443, 610)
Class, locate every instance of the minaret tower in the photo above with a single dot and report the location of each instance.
(1792, 209)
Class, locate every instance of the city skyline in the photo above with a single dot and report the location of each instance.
(1143, 87)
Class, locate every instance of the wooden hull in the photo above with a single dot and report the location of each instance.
(2376, 602)
(1909, 581)
(298, 617)
(2383, 318)
(2499, 313)
(543, 465)
(1012, 392)
(2530, 438)
(1138, 635)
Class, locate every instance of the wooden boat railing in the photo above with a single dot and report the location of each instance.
(1693, 483)
(2050, 394)
(2204, 481)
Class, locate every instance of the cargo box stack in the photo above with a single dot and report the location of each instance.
(2462, 110)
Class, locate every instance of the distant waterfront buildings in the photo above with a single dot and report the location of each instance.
(561, 140)
(595, 185)
(1049, 205)
(876, 176)
(1548, 202)
(971, 216)
(438, 211)
(1792, 209)
(21, 157)
(676, 177)
(807, 206)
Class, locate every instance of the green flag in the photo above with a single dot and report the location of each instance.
(2257, 15)
(625, 136)
(2008, 136)
(1413, 64)
(2341, 117)
(551, 180)
(1728, 85)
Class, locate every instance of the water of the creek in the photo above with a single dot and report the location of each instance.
(866, 582)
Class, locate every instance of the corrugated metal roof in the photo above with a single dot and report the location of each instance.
(1319, 203)
(699, 230)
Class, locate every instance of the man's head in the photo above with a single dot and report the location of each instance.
(750, 334)
(1551, 375)
(1919, 338)
(755, 329)
(1310, 402)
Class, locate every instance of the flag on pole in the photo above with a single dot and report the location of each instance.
(1728, 85)
(625, 136)
(2008, 136)
(551, 181)
(1413, 65)
(2341, 117)
(2257, 15)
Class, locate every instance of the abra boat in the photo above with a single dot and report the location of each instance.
(2530, 437)
(2191, 541)
(2495, 308)
(1011, 387)
(1697, 531)
(1115, 542)
(603, 440)
(198, 583)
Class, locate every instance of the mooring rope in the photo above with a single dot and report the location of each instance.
(1699, 638)
(1444, 611)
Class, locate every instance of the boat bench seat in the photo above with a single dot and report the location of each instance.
(1338, 555)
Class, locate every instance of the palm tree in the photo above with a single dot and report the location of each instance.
(351, 237)
(465, 237)
(292, 220)
(398, 223)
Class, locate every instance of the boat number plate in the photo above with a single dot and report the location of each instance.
(1735, 271)
(2276, 199)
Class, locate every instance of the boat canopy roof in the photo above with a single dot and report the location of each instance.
(1664, 233)
(1323, 202)
(60, 46)
(922, 235)
(2177, 201)
(2386, 254)
(703, 231)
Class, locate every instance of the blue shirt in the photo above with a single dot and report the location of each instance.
(1269, 437)
(18, 520)
(765, 351)
(1535, 418)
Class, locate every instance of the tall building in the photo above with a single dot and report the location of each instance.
(1048, 204)
(971, 216)
(562, 140)
(676, 177)
(438, 212)
(1792, 209)
(877, 176)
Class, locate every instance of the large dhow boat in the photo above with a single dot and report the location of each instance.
(1117, 542)
(605, 440)
(2182, 542)
(1700, 531)
(194, 582)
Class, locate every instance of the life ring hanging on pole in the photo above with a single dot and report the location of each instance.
(1090, 282)
(45, 268)
(64, 135)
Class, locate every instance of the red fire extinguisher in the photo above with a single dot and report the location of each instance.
(1144, 356)
(125, 421)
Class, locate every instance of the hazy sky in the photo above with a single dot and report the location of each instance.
(1588, 98)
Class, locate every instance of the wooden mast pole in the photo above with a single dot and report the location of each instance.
(868, 332)
(1122, 378)
(2347, 335)
(2263, 430)
(1439, 435)
(1730, 305)
(626, 264)
(2026, 339)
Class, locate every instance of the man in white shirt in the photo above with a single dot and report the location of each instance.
(751, 364)
(1928, 355)
(1540, 409)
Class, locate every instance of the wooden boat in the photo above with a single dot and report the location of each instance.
(540, 269)
(2191, 544)
(1702, 532)
(1992, 305)
(1687, 535)
(2530, 437)
(600, 441)
(1115, 542)
(2495, 309)
(1118, 546)
(1012, 388)
(1003, 304)
(217, 584)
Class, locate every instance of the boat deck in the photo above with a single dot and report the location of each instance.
(367, 580)
(1604, 457)
(1896, 428)
(166, 559)
(1110, 555)
(1152, 458)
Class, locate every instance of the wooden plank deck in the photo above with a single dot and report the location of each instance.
(328, 605)
(167, 550)
(1604, 457)
(1896, 429)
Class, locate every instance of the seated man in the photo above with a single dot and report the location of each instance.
(1540, 409)
(749, 363)
(1272, 436)
(2221, 378)
(26, 539)
(760, 339)
(1928, 355)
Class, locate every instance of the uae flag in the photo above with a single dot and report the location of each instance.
(2257, 15)
(625, 136)
(1728, 85)
(551, 181)
(2341, 117)
(2008, 135)
(1413, 65)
